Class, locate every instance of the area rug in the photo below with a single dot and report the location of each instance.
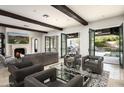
(99, 80)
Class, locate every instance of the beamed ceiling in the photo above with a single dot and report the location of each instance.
(46, 18)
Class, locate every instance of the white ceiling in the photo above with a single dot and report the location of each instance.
(97, 12)
(36, 12)
(88, 12)
(11, 21)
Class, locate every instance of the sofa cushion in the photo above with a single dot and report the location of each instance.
(42, 58)
(23, 64)
(34, 58)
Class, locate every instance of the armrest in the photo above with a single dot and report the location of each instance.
(93, 57)
(20, 74)
(96, 57)
(23, 64)
(12, 68)
(84, 58)
(77, 81)
(32, 82)
(47, 74)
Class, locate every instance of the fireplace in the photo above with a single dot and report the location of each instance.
(18, 52)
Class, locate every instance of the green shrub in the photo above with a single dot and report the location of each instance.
(100, 41)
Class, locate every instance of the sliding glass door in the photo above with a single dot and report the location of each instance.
(51, 43)
(47, 44)
(54, 44)
(63, 45)
(121, 52)
(91, 42)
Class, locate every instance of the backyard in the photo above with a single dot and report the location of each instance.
(107, 45)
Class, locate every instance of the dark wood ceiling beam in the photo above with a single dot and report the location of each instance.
(22, 18)
(70, 13)
(22, 28)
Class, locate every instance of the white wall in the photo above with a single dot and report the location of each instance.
(2, 29)
(31, 35)
(84, 32)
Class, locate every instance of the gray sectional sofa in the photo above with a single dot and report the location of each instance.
(41, 58)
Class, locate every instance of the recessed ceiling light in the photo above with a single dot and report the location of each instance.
(45, 16)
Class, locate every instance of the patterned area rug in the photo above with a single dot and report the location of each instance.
(99, 80)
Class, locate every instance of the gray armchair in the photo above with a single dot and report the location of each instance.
(39, 80)
(19, 71)
(94, 63)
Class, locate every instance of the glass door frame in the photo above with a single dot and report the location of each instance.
(62, 34)
(91, 42)
(49, 49)
(66, 37)
(121, 46)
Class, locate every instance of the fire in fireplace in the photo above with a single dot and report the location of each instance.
(18, 52)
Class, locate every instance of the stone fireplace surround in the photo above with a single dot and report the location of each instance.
(11, 48)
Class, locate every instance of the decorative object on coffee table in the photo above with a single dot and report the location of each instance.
(72, 60)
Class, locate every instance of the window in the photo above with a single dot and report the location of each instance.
(35, 45)
(51, 43)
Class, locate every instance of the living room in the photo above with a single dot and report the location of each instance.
(39, 40)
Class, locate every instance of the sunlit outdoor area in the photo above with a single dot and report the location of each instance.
(108, 46)
(73, 45)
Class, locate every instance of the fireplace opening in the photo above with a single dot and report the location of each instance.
(18, 52)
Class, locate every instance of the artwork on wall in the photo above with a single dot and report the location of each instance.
(18, 38)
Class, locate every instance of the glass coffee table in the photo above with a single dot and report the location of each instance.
(65, 73)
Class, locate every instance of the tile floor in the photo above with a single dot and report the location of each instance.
(116, 78)
(4, 77)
